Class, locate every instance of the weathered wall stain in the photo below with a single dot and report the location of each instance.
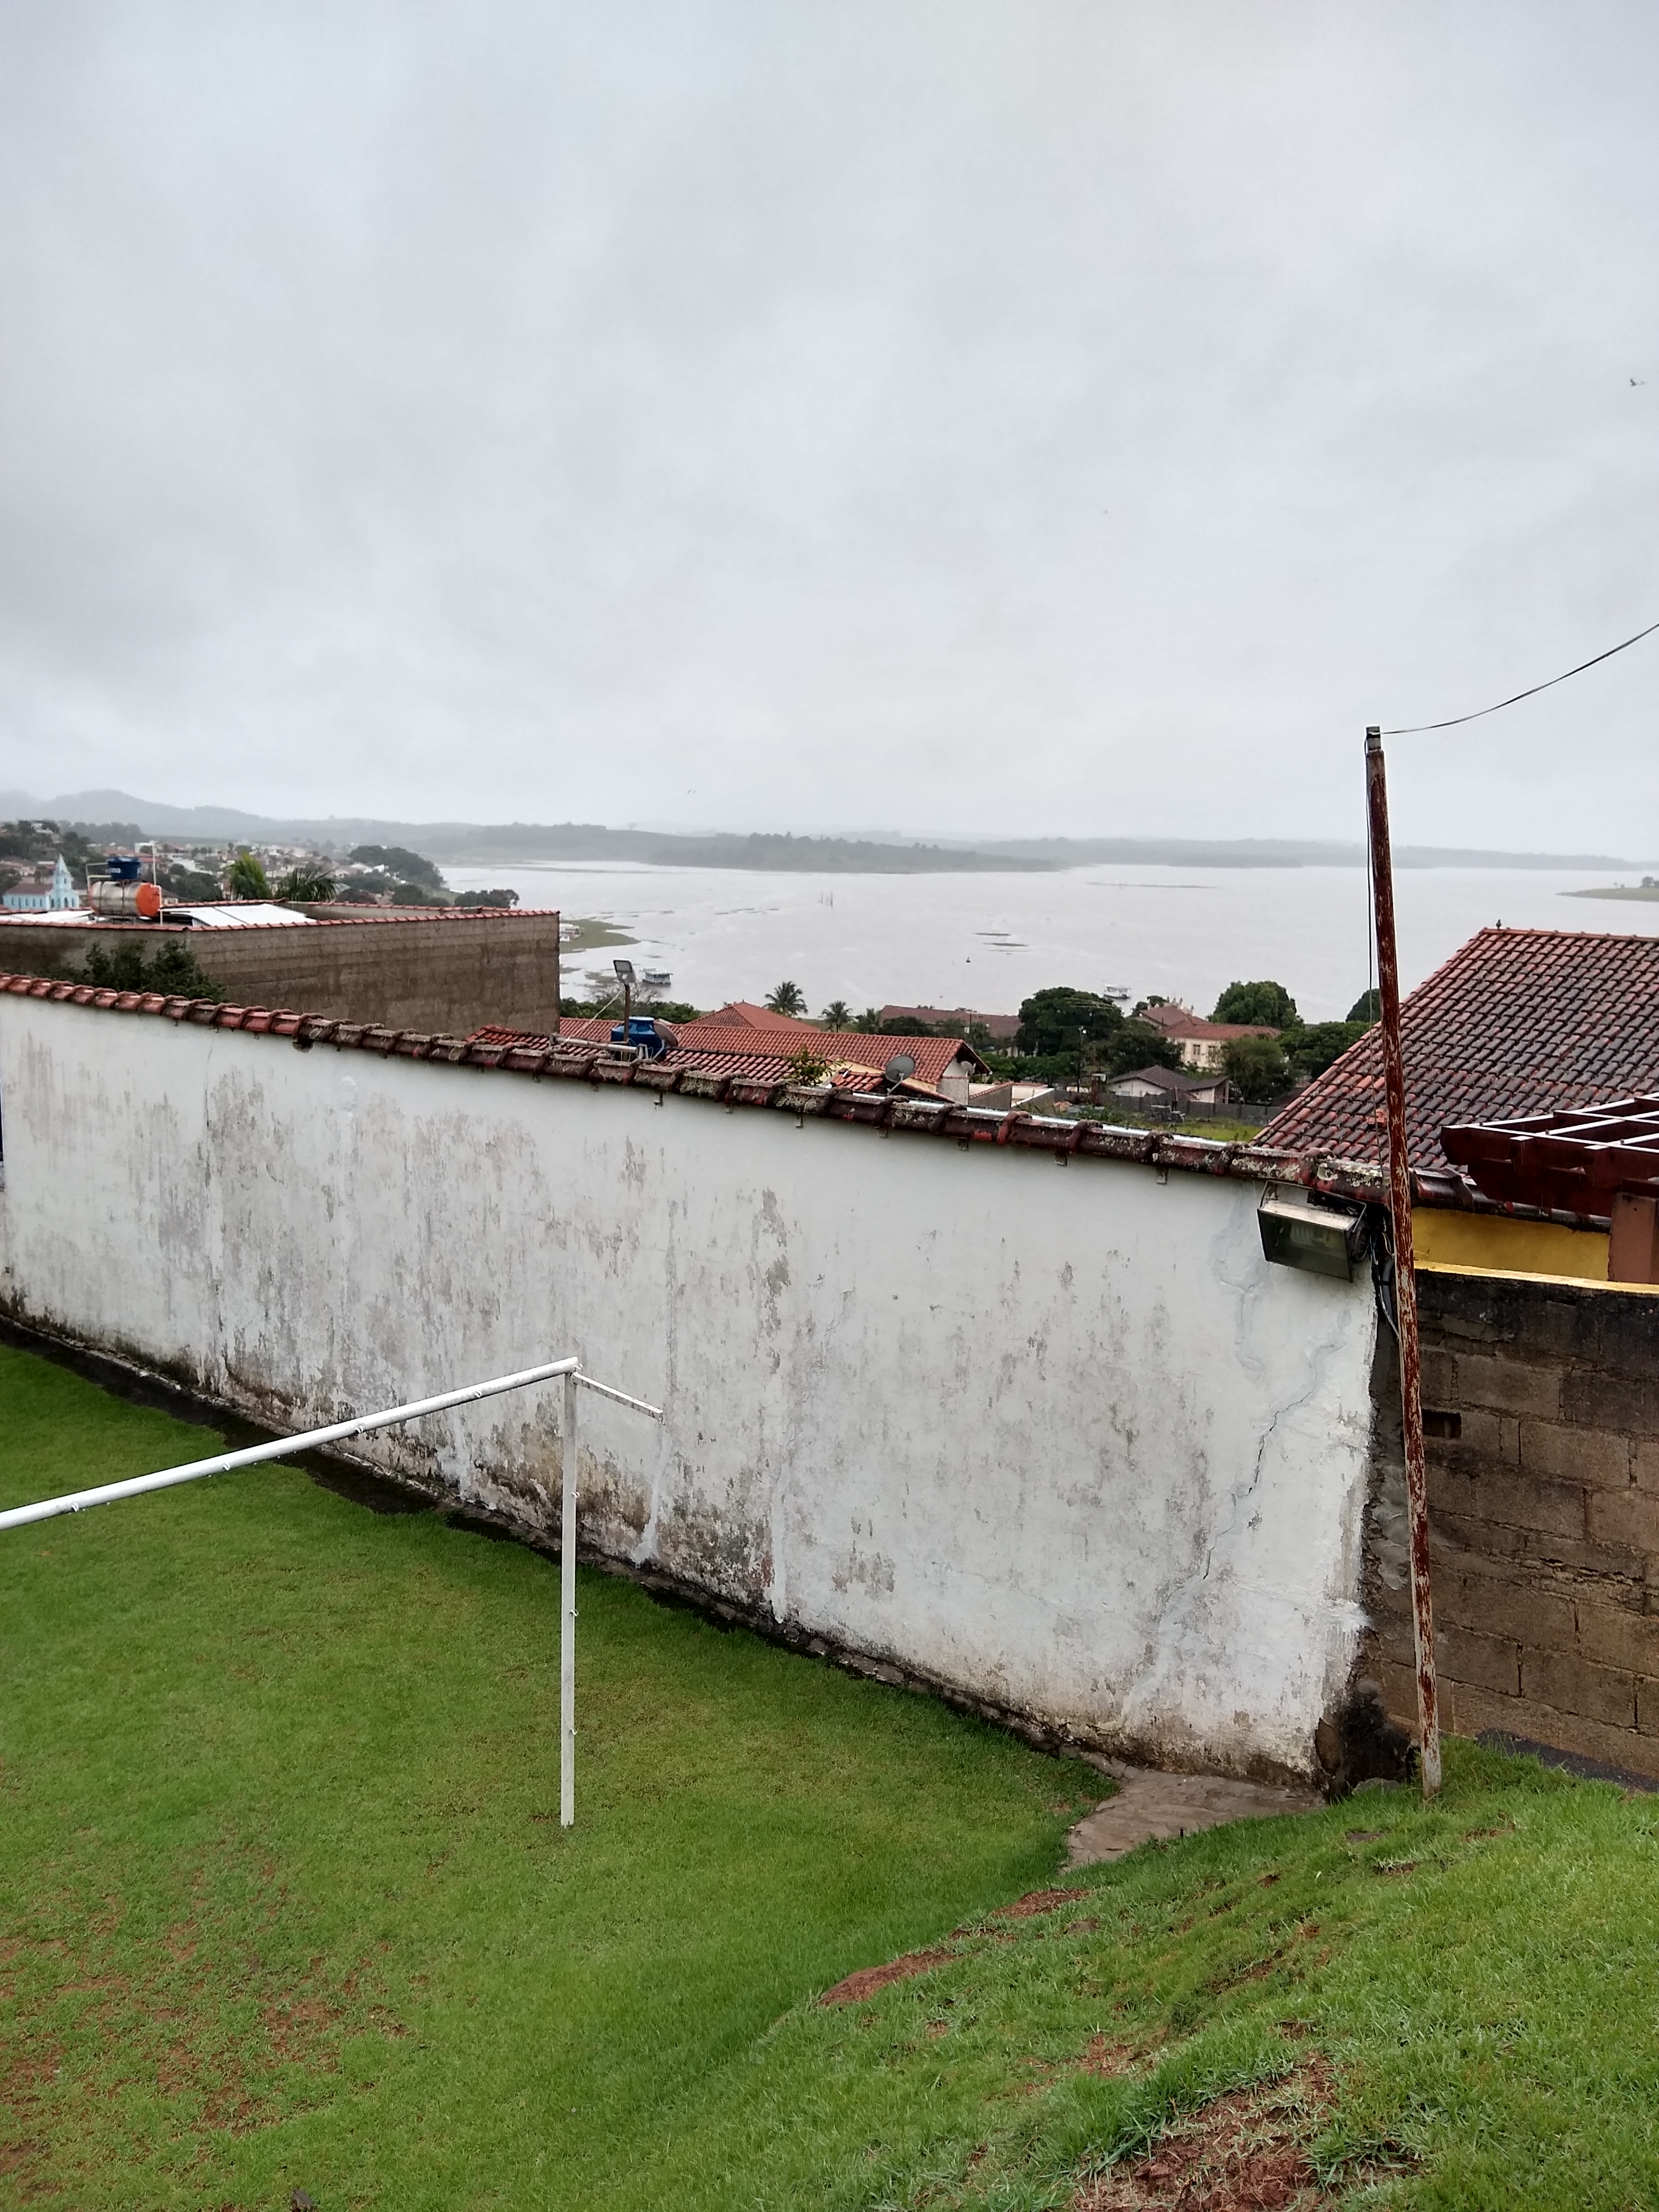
(1065, 1443)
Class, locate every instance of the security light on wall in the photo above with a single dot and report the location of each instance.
(1322, 1236)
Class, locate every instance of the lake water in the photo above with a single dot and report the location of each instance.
(989, 941)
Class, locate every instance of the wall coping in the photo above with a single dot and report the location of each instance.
(370, 917)
(885, 1112)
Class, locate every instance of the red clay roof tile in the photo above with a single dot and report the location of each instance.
(1518, 1021)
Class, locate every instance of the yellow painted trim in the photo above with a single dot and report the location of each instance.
(1494, 1244)
(1518, 1275)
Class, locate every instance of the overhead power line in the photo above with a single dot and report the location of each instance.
(1420, 729)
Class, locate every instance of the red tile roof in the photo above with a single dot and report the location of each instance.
(1178, 1022)
(742, 1014)
(759, 1055)
(933, 1056)
(1000, 1027)
(1518, 1021)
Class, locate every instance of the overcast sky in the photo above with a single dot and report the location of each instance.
(1044, 417)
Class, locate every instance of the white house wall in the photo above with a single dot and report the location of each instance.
(1058, 1439)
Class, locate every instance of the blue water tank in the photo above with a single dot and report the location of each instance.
(124, 867)
(643, 1034)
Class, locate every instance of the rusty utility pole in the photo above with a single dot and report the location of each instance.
(1405, 1267)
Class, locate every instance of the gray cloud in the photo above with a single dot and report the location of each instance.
(1038, 417)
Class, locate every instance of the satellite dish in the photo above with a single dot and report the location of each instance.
(898, 1068)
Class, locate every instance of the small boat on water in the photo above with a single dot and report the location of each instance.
(655, 978)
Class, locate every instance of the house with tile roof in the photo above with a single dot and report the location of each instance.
(855, 1058)
(766, 1054)
(1203, 1045)
(743, 1014)
(1168, 1087)
(944, 1062)
(1001, 1029)
(1517, 1021)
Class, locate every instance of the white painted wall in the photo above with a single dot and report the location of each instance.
(1058, 1436)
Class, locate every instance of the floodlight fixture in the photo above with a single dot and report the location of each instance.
(1304, 1228)
(625, 970)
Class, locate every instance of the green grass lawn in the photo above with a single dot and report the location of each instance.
(283, 1901)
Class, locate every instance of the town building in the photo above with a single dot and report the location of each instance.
(56, 896)
(770, 1051)
(999, 1029)
(1203, 1045)
(1167, 1087)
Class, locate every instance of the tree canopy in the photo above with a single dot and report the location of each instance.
(1050, 1020)
(1268, 1004)
(1367, 1008)
(1312, 1049)
(1256, 1067)
(398, 860)
(786, 998)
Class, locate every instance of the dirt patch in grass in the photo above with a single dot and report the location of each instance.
(868, 1979)
(1246, 2152)
(1036, 1901)
(1110, 2055)
(21, 2097)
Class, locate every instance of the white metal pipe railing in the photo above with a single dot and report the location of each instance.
(76, 1501)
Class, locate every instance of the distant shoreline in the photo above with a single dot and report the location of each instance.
(484, 845)
(1648, 893)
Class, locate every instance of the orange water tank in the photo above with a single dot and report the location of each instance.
(134, 902)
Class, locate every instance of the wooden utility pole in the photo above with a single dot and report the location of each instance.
(1405, 1268)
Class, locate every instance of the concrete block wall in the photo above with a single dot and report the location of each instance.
(1542, 1406)
(445, 973)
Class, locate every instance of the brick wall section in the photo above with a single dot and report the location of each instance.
(444, 975)
(1544, 1514)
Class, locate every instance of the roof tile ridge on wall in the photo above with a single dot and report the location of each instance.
(968, 1125)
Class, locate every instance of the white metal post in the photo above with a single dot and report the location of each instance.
(567, 1611)
(17, 1516)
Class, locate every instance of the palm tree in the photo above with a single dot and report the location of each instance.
(305, 884)
(787, 998)
(246, 878)
(869, 1021)
(837, 1015)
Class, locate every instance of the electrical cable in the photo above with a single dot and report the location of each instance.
(1420, 729)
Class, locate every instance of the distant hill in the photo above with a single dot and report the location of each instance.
(1272, 853)
(485, 844)
(456, 843)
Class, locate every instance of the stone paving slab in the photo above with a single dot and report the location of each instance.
(1150, 1805)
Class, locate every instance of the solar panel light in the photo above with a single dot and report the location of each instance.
(1301, 1228)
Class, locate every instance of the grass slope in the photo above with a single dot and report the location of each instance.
(282, 1895)
(284, 1904)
